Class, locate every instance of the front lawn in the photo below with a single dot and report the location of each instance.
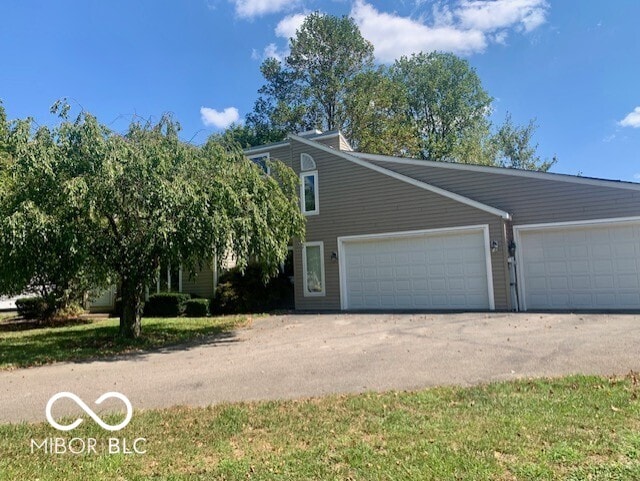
(575, 428)
(88, 339)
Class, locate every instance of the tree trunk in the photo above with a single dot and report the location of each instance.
(131, 315)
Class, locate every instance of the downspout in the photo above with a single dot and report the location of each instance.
(512, 267)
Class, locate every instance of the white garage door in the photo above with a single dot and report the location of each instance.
(580, 267)
(427, 270)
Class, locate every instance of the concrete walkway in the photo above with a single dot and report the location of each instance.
(312, 355)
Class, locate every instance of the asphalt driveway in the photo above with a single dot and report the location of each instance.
(311, 355)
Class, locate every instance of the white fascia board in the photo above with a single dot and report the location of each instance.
(502, 171)
(579, 223)
(409, 180)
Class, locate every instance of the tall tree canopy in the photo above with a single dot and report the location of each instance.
(308, 89)
(446, 102)
(111, 206)
(429, 105)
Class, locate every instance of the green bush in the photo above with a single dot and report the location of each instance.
(166, 304)
(197, 308)
(238, 293)
(33, 307)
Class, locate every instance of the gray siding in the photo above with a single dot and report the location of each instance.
(200, 283)
(529, 200)
(355, 201)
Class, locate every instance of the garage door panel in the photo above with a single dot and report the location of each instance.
(626, 281)
(430, 271)
(581, 267)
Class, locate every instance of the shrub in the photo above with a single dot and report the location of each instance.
(166, 304)
(237, 293)
(73, 310)
(197, 308)
(33, 308)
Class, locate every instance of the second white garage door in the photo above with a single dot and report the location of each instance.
(442, 269)
(580, 266)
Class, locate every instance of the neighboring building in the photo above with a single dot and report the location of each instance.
(393, 233)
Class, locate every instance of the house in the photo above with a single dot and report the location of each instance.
(396, 233)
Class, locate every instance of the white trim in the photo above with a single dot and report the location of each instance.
(404, 178)
(305, 291)
(180, 278)
(314, 174)
(261, 156)
(344, 304)
(517, 229)
(286, 143)
(607, 220)
(503, 171)
(260, 148)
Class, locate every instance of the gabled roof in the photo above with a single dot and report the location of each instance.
(501, 171)
(352, 157)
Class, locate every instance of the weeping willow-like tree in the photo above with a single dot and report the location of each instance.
(106, 206)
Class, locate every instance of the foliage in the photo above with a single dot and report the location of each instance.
(106, 206)
(166, 304)
(572, 428)
(308, 90)
(33, 308)
(43, 247)
(196, 308)
(514, 149)
(429, 105)
(246, 291)
(446, 102)
(377, 117)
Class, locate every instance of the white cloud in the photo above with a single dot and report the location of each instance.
(632, 119)
(394, 36)
(636, 176)
(256, 8)
(221, 120)
(288, 26)
(490, 15)
(272, 50)
(286, 29)
(463, 27)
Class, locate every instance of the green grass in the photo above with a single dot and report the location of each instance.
(573, 428)
(91, 339)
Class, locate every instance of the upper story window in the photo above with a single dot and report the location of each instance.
(261, 161)
(309, 193)
(307, 162)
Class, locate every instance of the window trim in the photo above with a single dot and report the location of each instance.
(265, 156)
(314, 174)
(303, 156)
(305, 290)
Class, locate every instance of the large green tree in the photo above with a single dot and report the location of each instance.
(428, 105)
(377, 117)
(446, 102)
(144, 199)
(308, 89)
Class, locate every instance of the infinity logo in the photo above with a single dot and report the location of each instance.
(89, 411)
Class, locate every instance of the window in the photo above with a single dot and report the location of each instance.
(307, 162)
(169, 279)
(313, 269)
(309, 193)
(261, 161)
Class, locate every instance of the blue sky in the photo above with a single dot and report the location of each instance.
(573, 66)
